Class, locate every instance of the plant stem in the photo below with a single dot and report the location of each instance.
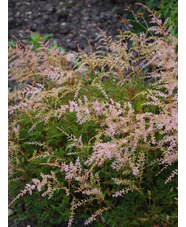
(142, 194)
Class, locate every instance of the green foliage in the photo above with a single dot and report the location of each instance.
(167, 9)
(113, 10)
(13, 44)
(36, 39)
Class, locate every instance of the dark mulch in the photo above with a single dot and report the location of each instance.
(71, 22)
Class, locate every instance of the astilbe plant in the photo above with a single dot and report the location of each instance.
(73, 138)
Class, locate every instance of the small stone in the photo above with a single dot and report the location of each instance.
(17, 14)
(62, 13)
(28, 13)
(63, 24)
(10, 212)
(71, 57)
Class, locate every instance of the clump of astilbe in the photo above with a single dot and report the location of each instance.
(90, 147)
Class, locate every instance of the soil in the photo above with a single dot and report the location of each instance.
(70, 22)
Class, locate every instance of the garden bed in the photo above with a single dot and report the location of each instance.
(70, 22)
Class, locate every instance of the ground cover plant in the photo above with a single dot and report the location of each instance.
(96, 139)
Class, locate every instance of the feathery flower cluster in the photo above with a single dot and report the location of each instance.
(93, 217)
(72, 171)
(175, 172)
